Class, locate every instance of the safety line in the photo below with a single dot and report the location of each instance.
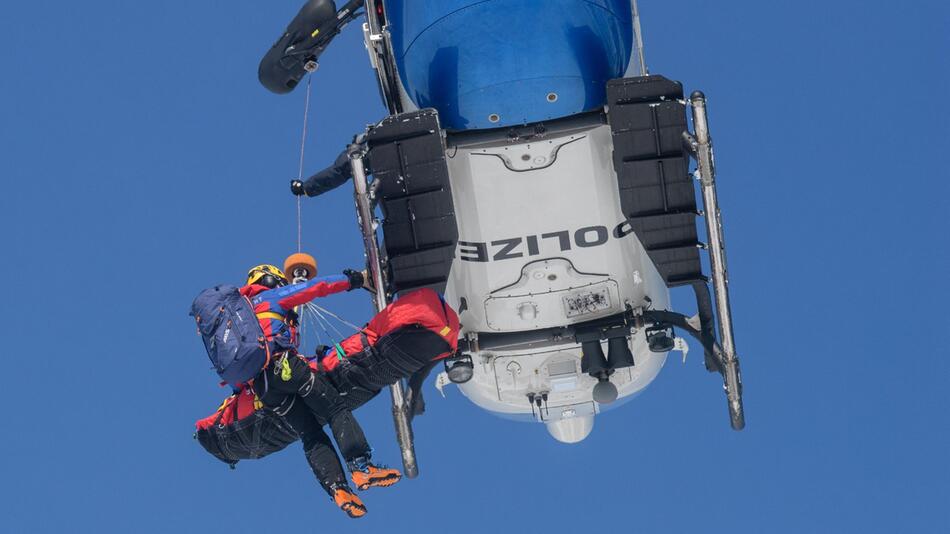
(321, 320)
(312, 326)
(303, 151)
(333, 326)
(317, 310)
(325, 323)
(337, 317)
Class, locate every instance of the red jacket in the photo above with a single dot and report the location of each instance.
(423, 307)
(234, 408)
(272, 305)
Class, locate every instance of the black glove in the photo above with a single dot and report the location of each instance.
(296, 187)
(356, 279)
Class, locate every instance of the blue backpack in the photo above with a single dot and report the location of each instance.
(231, 333)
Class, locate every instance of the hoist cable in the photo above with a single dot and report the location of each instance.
(303, 151)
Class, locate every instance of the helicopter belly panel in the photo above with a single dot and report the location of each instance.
(542, 238)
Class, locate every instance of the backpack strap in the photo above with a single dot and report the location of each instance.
(271, 315)
(364, 340)
(232, 406)
(266, 346)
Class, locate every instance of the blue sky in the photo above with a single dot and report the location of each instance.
(140, 162)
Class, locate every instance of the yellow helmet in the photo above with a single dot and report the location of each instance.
(266, 275)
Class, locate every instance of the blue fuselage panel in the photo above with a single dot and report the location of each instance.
(493, 63)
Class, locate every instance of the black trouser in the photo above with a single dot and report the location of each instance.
(307, 401)
(396, 355)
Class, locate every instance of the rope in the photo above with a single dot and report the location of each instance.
(303, 150)
(314, 314)
(312, 327)
(337, 317)
(316, 309)
(321, 321)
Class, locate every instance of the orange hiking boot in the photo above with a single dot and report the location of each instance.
(370, 476)
(344, 497)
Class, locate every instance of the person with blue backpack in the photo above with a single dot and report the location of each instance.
(251, 337)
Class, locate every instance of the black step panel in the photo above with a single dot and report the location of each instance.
(409, 166)
(407, 159)
(419, 222)
(425, 268)
(647, 119)
(656, 186)
(647, 130)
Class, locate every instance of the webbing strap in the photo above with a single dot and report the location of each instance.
(233, 406)
(270, 315)
(363, 339)
(448, 329)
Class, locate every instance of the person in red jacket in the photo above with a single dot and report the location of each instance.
(404, 341)
(307, 400)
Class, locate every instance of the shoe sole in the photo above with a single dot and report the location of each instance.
(354, 511)
(381, 482)
(351, 505)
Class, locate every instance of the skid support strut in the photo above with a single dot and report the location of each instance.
(367, 228)
(701, 148)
